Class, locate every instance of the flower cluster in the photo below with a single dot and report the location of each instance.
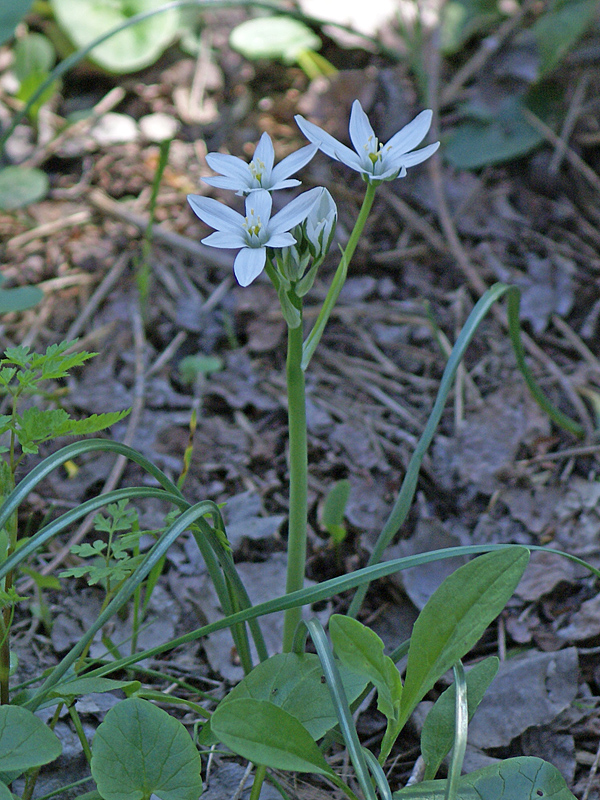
(255, 231)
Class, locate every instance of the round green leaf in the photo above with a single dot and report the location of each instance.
(24, 740)
(141, 750)
(266, 734)
(20, 186)
(131, 49)
(273, 37)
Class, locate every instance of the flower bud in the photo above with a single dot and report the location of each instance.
(319, 226)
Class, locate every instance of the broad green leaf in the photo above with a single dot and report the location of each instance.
(21, 186)
(277, 37)
(455, 617)
(523, 778)
(80, 686)
(11, 13)
(360, 649)
(558, 30)
(266, 734)
(141, 750)
(437, 736)
(24, 740)
(127, 51)
(293, 682)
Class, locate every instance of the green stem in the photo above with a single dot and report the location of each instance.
(339, 278)
(296, 553)
(259, 777)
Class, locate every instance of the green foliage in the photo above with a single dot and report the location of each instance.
(11, 13)
(140, 750)
(462, 19)
(524, 778)
(266, 734)
(25, 373)
(25, 741)
(360, 649)
(294, 683)
(437, 736)
(76, 687)
(334, 510)
(21, 297)
(281, 38)
(455, 617)
(127, 51)
(113, 560)
(559, 29)
(34, 59)
(21, 186)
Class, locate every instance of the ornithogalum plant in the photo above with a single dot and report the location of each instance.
(291, 246)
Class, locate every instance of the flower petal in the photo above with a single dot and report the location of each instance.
(360, 128)
(234, 184)
(410, 135)
(248, 264)
(264, 152)
(294, 212)
(215, 214)
(326, 142)
(229, 165)
(293, 163)
(259, 204)
(226, 239)
(287, 184)
(280, 240)
(417, 156)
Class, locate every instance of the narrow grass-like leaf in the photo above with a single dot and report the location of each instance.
(461, 724)
(438, 730)
(141, 750)
(522, 778)
(25, 741)
(266, 734)
(338, 696)
(314, 594)
(455, 617)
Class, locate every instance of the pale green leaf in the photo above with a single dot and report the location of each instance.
(133, 48)
(279, 37)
